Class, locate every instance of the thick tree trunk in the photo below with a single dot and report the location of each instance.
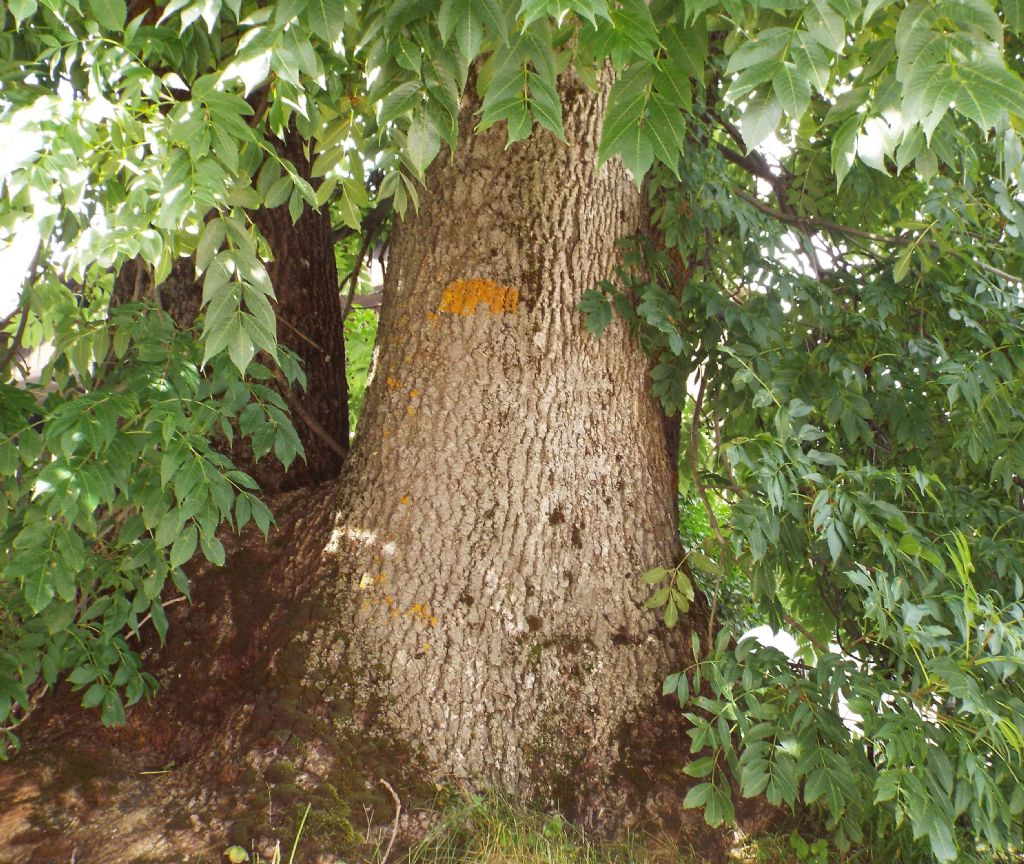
(478, 614)
(511, 480)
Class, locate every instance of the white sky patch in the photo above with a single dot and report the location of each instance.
(23, 139)
(15, 260)
(772, 639)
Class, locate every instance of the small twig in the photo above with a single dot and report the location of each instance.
(149, 615)
(997, 272)
(803, 631)
(720, 454)
(302, 335)
(30, 277)
(15, 339)
(368, 813)
(9, 318)
(394, 826)
(816, 224)
(353, 278)
(311, 422)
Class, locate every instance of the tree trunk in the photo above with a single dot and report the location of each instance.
(511, 480)
(305, 278)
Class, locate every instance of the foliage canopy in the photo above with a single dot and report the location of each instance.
(835, 192)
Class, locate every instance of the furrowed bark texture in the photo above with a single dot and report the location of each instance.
(305, 278)
(511, 479)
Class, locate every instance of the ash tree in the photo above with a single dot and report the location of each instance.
(758, 260)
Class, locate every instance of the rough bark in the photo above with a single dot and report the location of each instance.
(305, 278)
(511, 480)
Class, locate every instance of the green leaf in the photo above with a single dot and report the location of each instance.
(623, 132)
(597, 311)
(811, 60)
(826, 26)
(698, 795)
(844, 148)
(210, 240)
(423, 142)
(39, 587)
(325, 18)
(22, 9)
(1013, 12)
(240, 346)
(494, 18)
(659, 598)
(109, 13)
(278, 193)
(987, 88)
(655, 574)
(760, 119)
(112, 712)
(687, 47)
(184, 545)
(666, 126)
(94, 695)
(766, 46)
(463, 17)
(792, 90)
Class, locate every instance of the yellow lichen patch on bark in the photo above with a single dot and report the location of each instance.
(406, 500)
(393, 384)
(463, 296)
(421, 612)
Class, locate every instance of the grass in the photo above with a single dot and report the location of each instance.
(494, 830)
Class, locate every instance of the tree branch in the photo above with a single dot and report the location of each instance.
(803, 631)
(311, 422)
(353, 277)
(813, 223)
(16, 337)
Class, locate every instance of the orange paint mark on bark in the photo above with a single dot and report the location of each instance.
(463, 296)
